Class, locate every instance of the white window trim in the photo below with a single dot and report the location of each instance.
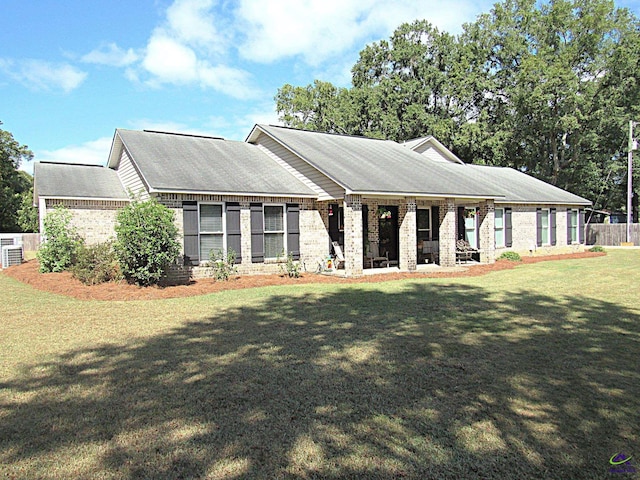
(224, 230)
(284, 231)
(502, 228)
(571, 213)
(547, 242)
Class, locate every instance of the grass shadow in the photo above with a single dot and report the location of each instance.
(434, 381)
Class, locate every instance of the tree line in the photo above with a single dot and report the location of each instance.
(546, 88)
(17, 213)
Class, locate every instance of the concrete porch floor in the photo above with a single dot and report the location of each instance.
(424, 268)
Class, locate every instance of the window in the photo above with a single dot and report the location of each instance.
(424, 224)
(470, 226)
(499, 227)
(544, 225)
(274, 231)
(211, 230)
(572, 222)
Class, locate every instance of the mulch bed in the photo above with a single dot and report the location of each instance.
(65, 284)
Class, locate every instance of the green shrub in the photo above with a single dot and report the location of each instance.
(58, 252)
(511, 256)
(223, 265)
(96, 264)
(291, 268)
(146, 241)
(597, 248)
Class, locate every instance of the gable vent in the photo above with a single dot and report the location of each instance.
(11, 255)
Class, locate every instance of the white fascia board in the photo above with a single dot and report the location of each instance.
(116, 151)
(559, 204)
(92, 199)
(423, 195)
(231, 194)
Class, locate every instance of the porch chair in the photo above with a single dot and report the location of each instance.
(464, 251)
(337, 250)
(374, 255)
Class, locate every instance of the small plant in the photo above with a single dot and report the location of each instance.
(290, 267)
(58, 252)
(597, 249)
(96, 264)
(223, 265)
(510, 256)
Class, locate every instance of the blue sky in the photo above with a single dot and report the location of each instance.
(72, 71)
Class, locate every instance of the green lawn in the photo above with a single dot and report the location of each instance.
(527, 373)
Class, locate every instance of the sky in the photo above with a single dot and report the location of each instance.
(72, 71)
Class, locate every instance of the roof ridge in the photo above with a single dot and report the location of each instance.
(46, 162)
(179, 134)
(330, 133)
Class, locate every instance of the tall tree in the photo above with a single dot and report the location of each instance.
(546, 88)
(12, 182)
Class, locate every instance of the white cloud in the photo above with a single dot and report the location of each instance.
(112, 55)
(201, 42)
(42, 75)
(193, 23)
(94, 152)
(318, 31)
(171, 61)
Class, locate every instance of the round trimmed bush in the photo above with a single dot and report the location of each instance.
(146, 241)
(510, 256)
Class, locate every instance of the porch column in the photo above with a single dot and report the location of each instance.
(245, 233)
(408, 241)
(353, 254)
(486, 219)
(448, 230)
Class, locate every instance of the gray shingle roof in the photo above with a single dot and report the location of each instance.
(185, 163)
(365, 165)
(518, 187)
(63, 180)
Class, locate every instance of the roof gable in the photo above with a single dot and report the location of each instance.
(370, 166)
(196, 164)
(432, 148)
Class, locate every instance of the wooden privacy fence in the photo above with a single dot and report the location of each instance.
(611, 234)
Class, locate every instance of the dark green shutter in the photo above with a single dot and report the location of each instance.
(568, 226)
(234, 234)
(581, 225)
(552, 225)
(461, 235)
(508, 229)
(293, 230)
(190, 233)
(435, 223)
(257, 233)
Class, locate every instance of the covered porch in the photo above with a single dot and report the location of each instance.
(378, 233)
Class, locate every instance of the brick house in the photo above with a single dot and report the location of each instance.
(294, 191)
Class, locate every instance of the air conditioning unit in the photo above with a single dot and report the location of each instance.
(4, 241)
(11, 255)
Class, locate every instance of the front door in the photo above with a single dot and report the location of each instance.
(388, 231)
